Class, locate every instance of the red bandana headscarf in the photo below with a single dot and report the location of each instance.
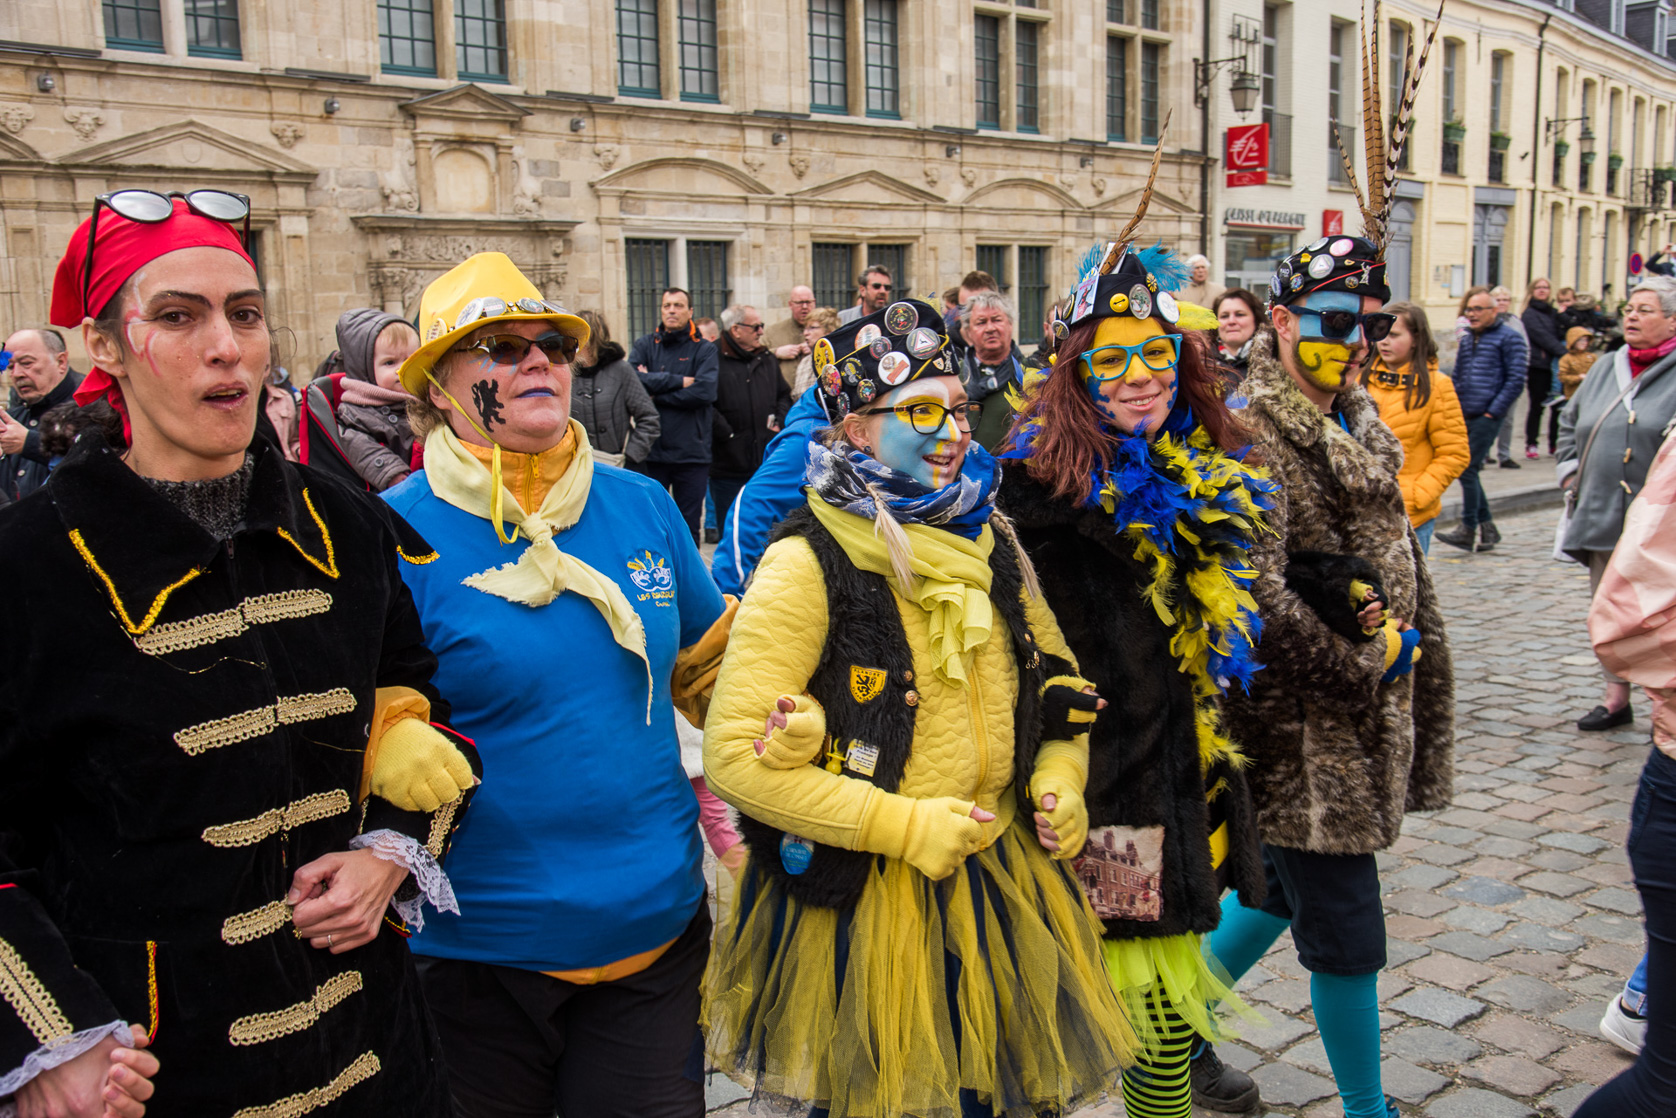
(121, 248)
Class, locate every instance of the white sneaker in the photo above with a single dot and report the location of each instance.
(1623, 1028)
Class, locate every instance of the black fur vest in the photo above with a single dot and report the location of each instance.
(865, 683)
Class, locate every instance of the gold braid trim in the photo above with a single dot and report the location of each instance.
(126, 618)
(255, 924)
(28, 996)
(365, 1067)
(178, 636)
(441, 823)
(418, 560)
(254, 723)
(259, 1027)
(321, 805)
(330, 567)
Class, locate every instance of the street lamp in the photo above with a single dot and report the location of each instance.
(1586, 139)
(1244, 89)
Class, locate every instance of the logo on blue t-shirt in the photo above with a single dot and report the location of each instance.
(650, 572)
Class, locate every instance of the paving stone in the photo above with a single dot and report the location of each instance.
(1546, 910)
(1605, 925)
(1565, 1102)
(1525, 994)
(1397, 952)
(1285, 1085)
(1558, 884)
(1543, 964)
(720, 1091)
(1614, 958)
(1471, 918)
(1403, 1080)
(1594, 1060)
(1454, 973)
(1274, 1034)
(1237, 1056)
(1517, 1035)
(1311, 1055)
(1479, 801)
(1438, 1006)
(1420, 877)
(1456, 836)
(1484, 891)
(1513, 1075)
(1549, 858)
(1286, 994)
(1535, 937)
(1427, 1045)
(1468, 946)
(1497, 847)
(1418, 903)
(1514, 828)
(1440, 854)
(1607, 873)
(1475, 1102)
(1597, 987)
(1584, 1019)
(1577, 844)
(1618, 900)
(1405, 927)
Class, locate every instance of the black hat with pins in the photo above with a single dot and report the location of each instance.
(875, 353)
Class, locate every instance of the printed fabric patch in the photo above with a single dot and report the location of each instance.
(866, 684)
(1121, 870)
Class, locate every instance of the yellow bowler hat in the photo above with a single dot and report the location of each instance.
(482, 289)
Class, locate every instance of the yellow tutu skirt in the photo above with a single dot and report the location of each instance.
(989, 983)
(1177, 968)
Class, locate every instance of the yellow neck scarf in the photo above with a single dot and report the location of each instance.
(542, 572)
(951, 583)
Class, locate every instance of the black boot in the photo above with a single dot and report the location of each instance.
(1216, 1086)
(1488, 536)
(1462, 537)
(1602, 719)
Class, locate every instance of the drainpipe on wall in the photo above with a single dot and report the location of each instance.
(1205, 144)
(1536, 156)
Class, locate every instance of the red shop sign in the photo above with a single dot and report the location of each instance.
(1247, 155)
(1332, 223)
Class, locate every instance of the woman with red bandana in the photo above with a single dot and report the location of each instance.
(208, 823)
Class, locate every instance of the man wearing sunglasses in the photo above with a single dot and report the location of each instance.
(1343, 736)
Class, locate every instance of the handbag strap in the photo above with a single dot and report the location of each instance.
(1577, 485)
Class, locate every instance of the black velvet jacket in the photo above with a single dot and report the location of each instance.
(1143, 766)
(183, 724)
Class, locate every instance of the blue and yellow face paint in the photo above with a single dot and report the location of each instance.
(1130, 371)
(1326, 363)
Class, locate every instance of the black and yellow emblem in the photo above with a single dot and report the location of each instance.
(866, 684)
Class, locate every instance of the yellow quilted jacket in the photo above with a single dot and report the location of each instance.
(1433, 435)
(963, 736)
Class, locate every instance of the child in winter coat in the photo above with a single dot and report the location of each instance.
(372, 418)
(1574, 366)
(1420, 407)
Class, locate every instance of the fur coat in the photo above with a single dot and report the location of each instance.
(1337, 756)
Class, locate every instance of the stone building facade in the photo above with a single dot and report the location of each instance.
(608, 146)
(1496, 187)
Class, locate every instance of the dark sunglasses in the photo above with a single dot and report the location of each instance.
(1339, 325)
(150, 208)
(511, 349)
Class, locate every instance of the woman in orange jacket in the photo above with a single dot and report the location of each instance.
(1419, 405)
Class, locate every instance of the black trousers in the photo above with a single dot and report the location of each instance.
(521, 1044)
(1540, 384)
(686, 482)
(1332, 900)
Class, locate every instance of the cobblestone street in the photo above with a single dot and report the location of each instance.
(1512, 917)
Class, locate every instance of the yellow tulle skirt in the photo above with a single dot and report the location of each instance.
(990, 982)
(1176, 969)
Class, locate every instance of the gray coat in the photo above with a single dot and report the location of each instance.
(605, 398)
(1618, 462)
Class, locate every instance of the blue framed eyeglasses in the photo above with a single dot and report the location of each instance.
(1159, 354)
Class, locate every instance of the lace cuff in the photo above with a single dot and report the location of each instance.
(49, 1056)
(393, 846)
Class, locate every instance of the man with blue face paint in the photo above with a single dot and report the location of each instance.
(1343, 736)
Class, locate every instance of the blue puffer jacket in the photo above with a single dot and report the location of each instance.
(1490, 371)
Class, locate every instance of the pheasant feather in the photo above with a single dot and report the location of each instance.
(1404, 116)
(1128, 233)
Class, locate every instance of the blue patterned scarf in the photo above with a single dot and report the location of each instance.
(840, 475)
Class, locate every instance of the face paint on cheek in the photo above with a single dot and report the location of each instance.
(1324, 363)
(903, 448)
(485, 394)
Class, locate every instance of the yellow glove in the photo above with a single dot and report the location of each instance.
(941, 834)
(418, 769)
(1062, 772)
(799, 739)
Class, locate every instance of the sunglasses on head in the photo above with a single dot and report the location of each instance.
(148, 207)
(1339, 325)
(511, 349)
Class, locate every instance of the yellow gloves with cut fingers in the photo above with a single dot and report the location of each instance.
(1062, 772)
(934, 836)
(799, 738)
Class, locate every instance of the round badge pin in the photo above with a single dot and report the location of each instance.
(865, 391)
(941, 364)
(1284, 271)
(1297, 282)
(894, 368)
(1322, 267)
(531, 306)
(1119, 303)
(829, 380)
(852, 371)
(1167, 309)
(879, 348)
(471, 312)
(900, 318)
(1061, 329)
(842, 406)
(1318, 245)
(1151, 283)
(1344, 246)
(1351, 282)
(923, 342)
(554, 307)
(493, 307)
(796, 854)
(435, 331)
(1140, 301)
(1274, 286)
(822, 355)
(867, 335)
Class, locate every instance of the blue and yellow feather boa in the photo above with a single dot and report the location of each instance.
(1193, 512)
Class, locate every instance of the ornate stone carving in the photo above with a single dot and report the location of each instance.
(394, 284)
(1099, 184)
(968, 175)
(86, 122)
(15, 118)
(526, 199)
(287, 133)
(606, 154)
(401, 198)
(401, 190)
(799, 164)
(551, 279)
(933, 174)
(752, 161)
(526, 205)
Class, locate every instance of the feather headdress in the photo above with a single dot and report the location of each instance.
(1381, 150)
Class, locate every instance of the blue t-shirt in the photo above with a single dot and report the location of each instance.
(581, 847)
